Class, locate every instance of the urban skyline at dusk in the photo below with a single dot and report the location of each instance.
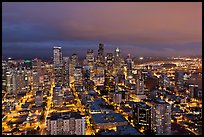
(102, 68)
(139, 29)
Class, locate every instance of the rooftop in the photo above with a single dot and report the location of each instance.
(107, 118)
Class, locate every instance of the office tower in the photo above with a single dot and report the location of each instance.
(36, 73)
(57, 56)
(48, 74)
(58, 65)
(78, 75)
(11, 81)
(179, 79)
(58, 95)
(21, 80)
(164, 81)
(27, 64)
(86, 73)
(140, 87)
(72, 65)
(161, 117)
(66, 62)
(59, 74)
(11, 63)
(66, 123)
(109, 82)
(129, 62)
(193, 88)
(109, 63)
(117, 57)
(142, 115)
(118, 62)
(90, 61)
(90, 56)
(100, 57)
(4, 70)
(39, 98)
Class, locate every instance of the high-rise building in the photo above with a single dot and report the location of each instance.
(129, 62)
(66, 62)
(4, 70)
(39, 98)
(48, 75)
(78, 75)
(164, 81)
(58, 95)
(90, 61)
(57, 55)
(109, 63)
(117, 58)
(161, 117)
(140, 87)
(90, 56)
(193, 88)
(11, 81)
(179, 82)
(100, 57)
(72, 66)
(21, 80)
(118, 62)
(36, 73)
(58, 65)
(142, 115)
(66, 123)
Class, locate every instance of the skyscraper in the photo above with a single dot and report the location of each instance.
(72, 65)
(57, 55)
(100, 57)
(142, 115)
(90, 61)
(179, 82)
(161, 117)
(58, 66)
(66, 62)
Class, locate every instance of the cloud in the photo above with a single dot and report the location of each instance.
(155, 25)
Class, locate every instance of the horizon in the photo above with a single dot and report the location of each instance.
(140, 29)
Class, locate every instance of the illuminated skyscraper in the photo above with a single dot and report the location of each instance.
(90, 56)
(57, 55)
(72, 65)
(109, 63)
(161, 117)
(140, 87)
(36, 73)
(21, 80)
(10, 81)
(142, 115)
(100, 57)
(58, 65)
(4, 70)
(179, 82)
(117, 58)
(58, 95)
(90, 61)
(78, 75)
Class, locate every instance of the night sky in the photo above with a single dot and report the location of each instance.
(142, 29)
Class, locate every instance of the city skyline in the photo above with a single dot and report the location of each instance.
(139, 29)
